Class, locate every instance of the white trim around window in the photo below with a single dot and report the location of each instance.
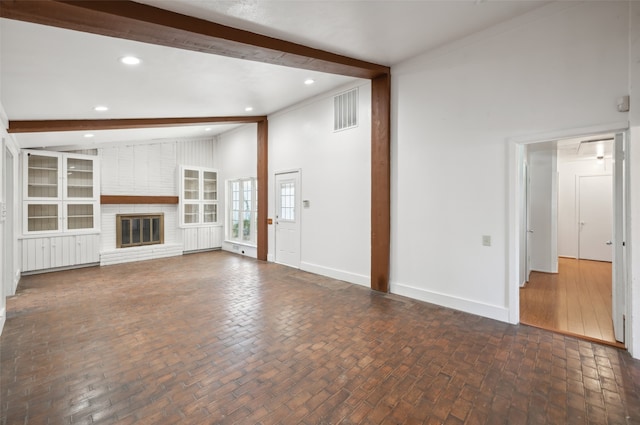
(242, 207)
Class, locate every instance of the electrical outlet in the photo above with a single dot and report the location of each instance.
(486, 240)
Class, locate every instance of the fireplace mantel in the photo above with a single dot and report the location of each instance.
(134, 199)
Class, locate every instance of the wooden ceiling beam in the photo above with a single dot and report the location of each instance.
(148, 24)
(123, 124)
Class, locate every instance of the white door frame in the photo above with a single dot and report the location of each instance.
(515, 187)
(619, 280)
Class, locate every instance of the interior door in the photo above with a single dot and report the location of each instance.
(287, 240)
(619, 260)
(595, 218)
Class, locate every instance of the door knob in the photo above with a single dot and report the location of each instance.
(609, 243)
(529, 231)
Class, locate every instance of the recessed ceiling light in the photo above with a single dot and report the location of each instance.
(207, 129)
(130, 60)
(249, 108)
(309, 81)
(101, 108)
(88, 135)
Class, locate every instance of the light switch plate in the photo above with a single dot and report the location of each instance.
(486, 240)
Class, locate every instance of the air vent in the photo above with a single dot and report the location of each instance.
(345, 110)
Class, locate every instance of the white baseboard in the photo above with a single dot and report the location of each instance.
(350, 277)
(3, 318)
(469, 306)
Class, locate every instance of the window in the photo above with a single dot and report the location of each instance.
(242, 206)
(199, 200)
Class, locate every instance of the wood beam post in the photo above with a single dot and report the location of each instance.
(263, 188)
(380, 182)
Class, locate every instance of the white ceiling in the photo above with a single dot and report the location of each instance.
(51, 73)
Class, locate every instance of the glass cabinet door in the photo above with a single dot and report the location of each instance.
(210, 186)
(43, 174)
(79, 179)
(191, 184)
(191, 213)
(43, 217)
(80, 216)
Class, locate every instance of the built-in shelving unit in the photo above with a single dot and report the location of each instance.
(60, 225)
(60, 192)
(199, 208)
(199, 196)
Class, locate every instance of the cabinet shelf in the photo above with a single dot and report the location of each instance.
(43, 168)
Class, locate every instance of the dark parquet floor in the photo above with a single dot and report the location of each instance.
(214, 338)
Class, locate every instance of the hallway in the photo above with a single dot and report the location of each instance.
(577, 300)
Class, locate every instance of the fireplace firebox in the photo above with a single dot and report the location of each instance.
(139, 229)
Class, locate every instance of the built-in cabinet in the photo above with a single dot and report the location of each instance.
(61, 192)
(199, 208)
(199, 200)
(60, 205)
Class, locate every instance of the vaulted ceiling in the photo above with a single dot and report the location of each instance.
(49, 73)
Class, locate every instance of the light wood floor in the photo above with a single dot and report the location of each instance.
(577, 300)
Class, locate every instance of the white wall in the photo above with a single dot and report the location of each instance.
(455, 110)
(9, 270)
(335, 179)
(544, 210)
(148, 169)
(633, 320)
(568, 173)
(238, 158)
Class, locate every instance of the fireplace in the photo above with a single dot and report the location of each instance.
(139, 229)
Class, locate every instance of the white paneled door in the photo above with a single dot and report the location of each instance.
(287, 241)
(595, 220)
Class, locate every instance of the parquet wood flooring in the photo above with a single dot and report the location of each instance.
(215, 338)
(576, 300)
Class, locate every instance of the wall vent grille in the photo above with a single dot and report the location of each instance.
(345, 110)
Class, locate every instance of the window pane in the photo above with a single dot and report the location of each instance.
(246, 226)
(287, 201)
(135, 230)
(146, 230)
(156, 229)
(126, 232)
(235, 224)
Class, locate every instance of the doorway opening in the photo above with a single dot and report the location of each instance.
(573, 224)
